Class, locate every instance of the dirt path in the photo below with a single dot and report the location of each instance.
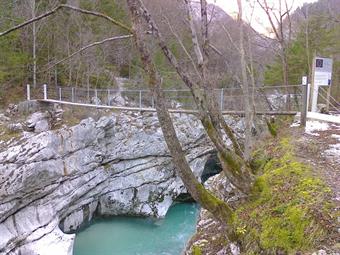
(319, 146)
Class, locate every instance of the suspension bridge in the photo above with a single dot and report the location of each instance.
(268, 100)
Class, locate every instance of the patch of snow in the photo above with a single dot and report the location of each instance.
(295, 124)
(336, 127)
(336, 136)
(235, 250)
(323, 117)
(334, 150)
(312, 126)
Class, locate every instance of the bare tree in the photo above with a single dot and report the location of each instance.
(281, 26)
(233, 164)
(216, 206)
(34, 44)
(245, 86)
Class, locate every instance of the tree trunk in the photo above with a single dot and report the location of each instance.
(285, 76)
(34, 45)
(217, 207)
(232, 163)
(245, 87)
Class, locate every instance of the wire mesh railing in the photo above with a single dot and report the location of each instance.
(326, 98)
(267, 98)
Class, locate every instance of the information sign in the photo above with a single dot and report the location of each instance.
(323, 71)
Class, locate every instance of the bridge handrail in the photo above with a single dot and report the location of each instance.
(228, 98)
(170, 90)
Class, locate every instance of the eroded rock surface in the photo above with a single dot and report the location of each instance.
(53, 182)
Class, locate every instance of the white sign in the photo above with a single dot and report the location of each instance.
(304, 80)
(323, 71)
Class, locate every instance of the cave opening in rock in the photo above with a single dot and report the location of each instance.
(211, 168)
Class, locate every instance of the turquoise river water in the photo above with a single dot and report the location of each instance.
(139, 236)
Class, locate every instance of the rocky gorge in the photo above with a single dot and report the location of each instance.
(55, 181)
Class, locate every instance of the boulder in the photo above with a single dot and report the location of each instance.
(15, 127)
(38, 122)
(4, 118)
(11, 110)
(117, 100)
(96, 101)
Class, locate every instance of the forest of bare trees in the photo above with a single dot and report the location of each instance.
(38, 49)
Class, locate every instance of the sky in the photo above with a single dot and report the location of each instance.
(259, 20)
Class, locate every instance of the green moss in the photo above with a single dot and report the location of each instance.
(231, 162)
(229, 159)
(215, 205)
(272, 127)
(261, 191)
(258, 160)
(107, 166)
(196, 250)
(285, 231)
(280, 215)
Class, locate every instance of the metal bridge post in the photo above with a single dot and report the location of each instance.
(222, 99)
(28, 92)
(96, 96)
(45, 91)
(140, 99)
(108, 97)
(304, 105)
(315, 93)
(72, 95)
(153, 102)
(59, 94)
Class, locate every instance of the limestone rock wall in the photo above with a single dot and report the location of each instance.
(53, 182)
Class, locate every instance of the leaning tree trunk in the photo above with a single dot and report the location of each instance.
(194, 88)
(233, 164)
(209, 99)
(217, 207)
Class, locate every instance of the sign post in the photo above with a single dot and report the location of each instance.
(321, 76)
(28, 92)
(304, 105)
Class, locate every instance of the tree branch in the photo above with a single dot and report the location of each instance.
(204, 28)
(70, 7)
(289, 20)
(331, 13)
(230, 38)
(265, 8)
(217, 51)
(194, 34)
(88, 46)
(181, 44)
